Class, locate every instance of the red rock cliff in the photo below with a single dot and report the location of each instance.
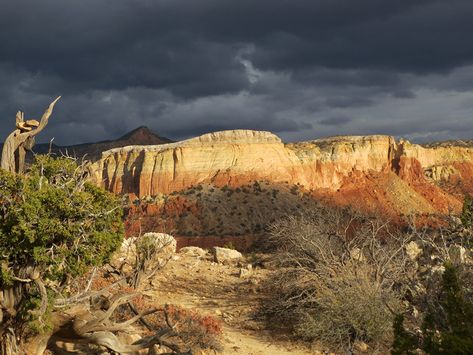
(331, 165)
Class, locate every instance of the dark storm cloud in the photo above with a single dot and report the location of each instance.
(186, 67)
(335, 121)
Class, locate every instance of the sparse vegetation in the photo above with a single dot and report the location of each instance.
(447, 303)
(222, 210)
(342, 277)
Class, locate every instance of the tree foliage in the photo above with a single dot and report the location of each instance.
(54, 226)
(450, 330)
(404, 343)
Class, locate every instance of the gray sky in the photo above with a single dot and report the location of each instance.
(302, 69)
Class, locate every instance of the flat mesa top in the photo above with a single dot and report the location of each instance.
(239, 136)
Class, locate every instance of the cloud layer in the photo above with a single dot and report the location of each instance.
(302, 69)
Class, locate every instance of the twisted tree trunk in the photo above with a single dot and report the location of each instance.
(21, 140)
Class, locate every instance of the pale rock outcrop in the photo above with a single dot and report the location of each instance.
(225, 255)
(164, 245)
(413, 250)
(193, 251)
(163, 242)
(436, 155)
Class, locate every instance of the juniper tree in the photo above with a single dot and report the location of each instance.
(54, 226)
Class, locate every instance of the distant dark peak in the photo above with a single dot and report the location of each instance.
(140, 131)
(139, 136)
(145, 135)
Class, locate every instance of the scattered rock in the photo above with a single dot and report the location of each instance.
(246, 271)
(438, 269)
(357, 254)
(225, 255)
(193, 251)
(360, 346)
(413, 250)
(458, 254)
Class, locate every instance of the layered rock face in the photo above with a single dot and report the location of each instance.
(329, 166)
(237, 157)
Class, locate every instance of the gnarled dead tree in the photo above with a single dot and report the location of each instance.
(22, 139)
(95, 327)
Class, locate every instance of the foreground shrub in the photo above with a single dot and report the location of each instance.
(53, 227)
(342, 278)
(196, 330)
(191, 329)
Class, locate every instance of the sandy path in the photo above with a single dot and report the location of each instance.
(218, 290)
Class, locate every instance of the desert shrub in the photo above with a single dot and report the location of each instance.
(191, 329)
(341, 279)
(53, 227)
(195, 329)
(229, 245)
(444, 290)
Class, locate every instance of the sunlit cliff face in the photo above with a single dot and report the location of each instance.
(332, 165)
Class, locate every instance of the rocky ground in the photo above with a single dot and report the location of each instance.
(230, 292)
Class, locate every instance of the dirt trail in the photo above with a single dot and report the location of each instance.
(218, 290)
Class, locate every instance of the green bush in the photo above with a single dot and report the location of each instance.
(448, 323)
(404, 342)
(448, 329)
(54, 226)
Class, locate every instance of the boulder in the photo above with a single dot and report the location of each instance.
(193, 251)
(163, 244)
(162, 241)
(225, 255)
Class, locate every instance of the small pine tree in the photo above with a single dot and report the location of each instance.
(404, 342)
(447, 329)
(452, 333)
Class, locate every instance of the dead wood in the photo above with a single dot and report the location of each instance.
(22, 139)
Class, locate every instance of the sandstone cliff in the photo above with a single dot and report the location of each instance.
(236, 157)
(375, 172)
